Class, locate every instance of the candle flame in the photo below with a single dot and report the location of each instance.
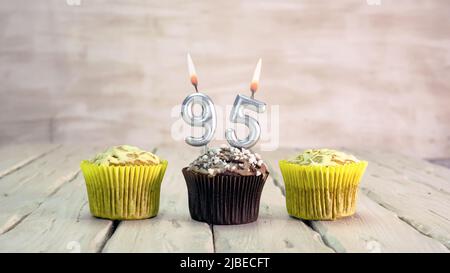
(255, 81)
(192, 73)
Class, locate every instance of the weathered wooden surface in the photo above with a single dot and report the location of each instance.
(419, 197)
(62, 223)
(375, 228)
(111, 71)
(17, 156)
(404, 206)
(25, 190)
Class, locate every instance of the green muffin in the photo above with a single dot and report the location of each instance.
(322, 184)
(124, 183)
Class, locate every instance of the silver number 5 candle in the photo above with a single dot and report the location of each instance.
(237, 115)
(206, 119)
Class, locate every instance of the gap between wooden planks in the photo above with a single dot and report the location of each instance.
(366, 233)
(15, 157)
(43, 204)
(413, 189)
(374, 228)
(174, 230)
(24, 190)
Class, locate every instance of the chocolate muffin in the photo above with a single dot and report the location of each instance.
(225, 185)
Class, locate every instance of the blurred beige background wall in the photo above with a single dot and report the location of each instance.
(344, 73)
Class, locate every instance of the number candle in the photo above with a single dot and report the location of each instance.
(237, 114)
(207, 119)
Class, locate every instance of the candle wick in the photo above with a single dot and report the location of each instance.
(196, 89)
(253, 94)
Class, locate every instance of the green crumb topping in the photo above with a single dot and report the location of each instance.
(125, 155)
(323, 157)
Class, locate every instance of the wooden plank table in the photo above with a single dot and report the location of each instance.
(403, 206)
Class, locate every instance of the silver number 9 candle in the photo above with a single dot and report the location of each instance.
(207, 119)
(237, 115)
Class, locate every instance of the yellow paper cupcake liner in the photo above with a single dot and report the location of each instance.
(321, 192)
(123, 192)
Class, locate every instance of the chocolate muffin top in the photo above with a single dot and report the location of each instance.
(323, 157)
(229, 161)
(125, 155)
